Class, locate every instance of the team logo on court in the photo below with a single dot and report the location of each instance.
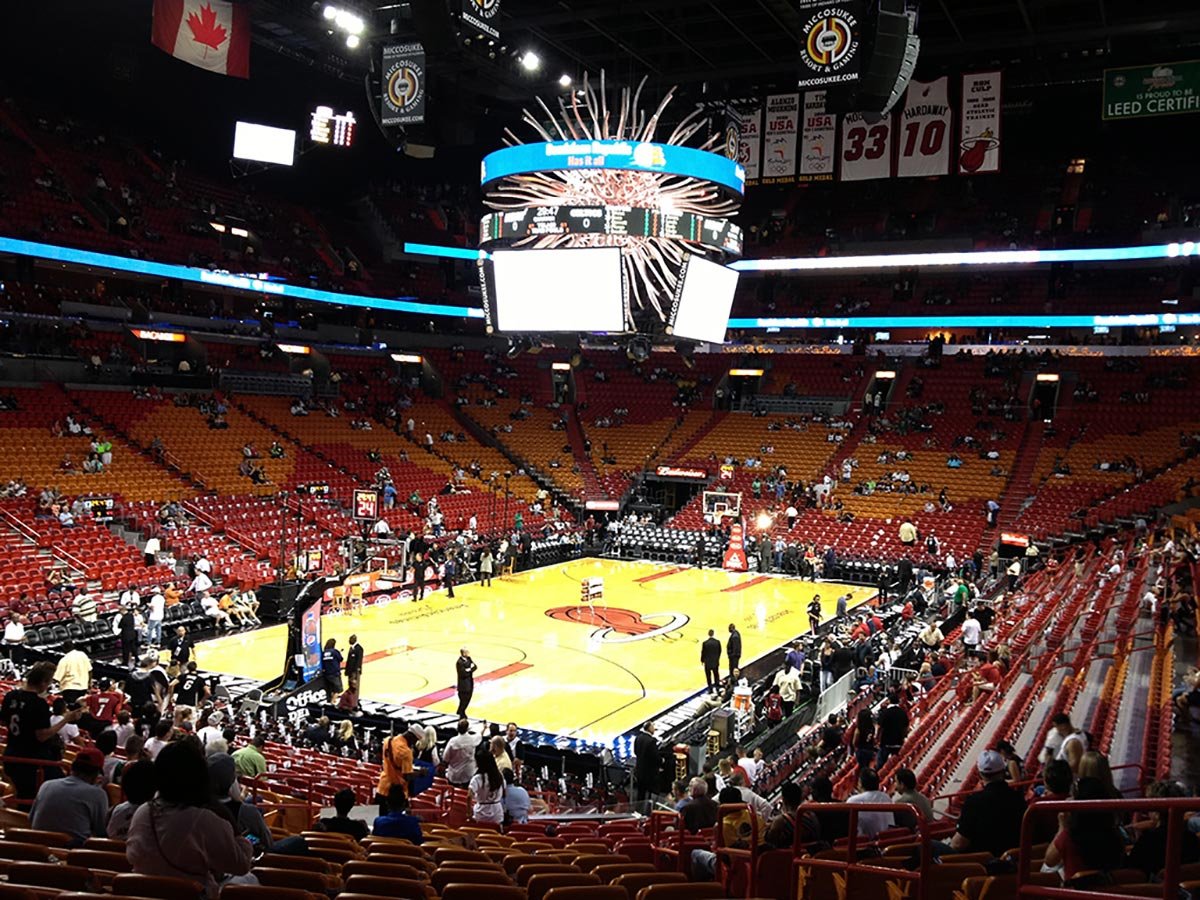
(829, 40)
(614, 625)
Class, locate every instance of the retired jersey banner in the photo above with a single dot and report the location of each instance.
(829, 42)
(1135, 92)
(209, 34)
(866, 149)
(780, 132)
(979, 128)
(403, 98)
(750, 145)
(924, 130)
(818, 140)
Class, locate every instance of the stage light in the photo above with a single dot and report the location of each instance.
(330, 12)
(530, 61)
(349, 23)
(764, 521)
(564, 80)
(352, 41)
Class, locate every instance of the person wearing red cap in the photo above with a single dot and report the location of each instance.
(76, 805)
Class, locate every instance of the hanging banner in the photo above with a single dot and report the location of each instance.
(750, 145)
(779, 138)
(979, 128)
(818, 146)
(731, 133)
(1167, 89)
(483, 16)
(924, 130)
(829, 42)
(866, 149)
(403, 98)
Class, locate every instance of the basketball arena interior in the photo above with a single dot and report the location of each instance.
(599, 451)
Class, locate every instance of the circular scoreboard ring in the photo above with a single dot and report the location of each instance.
(509, 227)
(669, 160)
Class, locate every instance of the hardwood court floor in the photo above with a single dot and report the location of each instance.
(546, 661)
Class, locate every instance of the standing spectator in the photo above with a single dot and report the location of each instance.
(1071, 742)
(459, 756)
(862, 738)
(74, 805)
(710, 658)
(181, 648)
(26, 715)
(331, 670)
(733, 647)
(126, 629)
(73, 673)
(516, 800)
(972, 631)
(487, 563)
(154, 618)
(464, 668)
(814, 614)
(893, 728)
(486, 791)
(646, 763)
(14, 637)
(204, 847)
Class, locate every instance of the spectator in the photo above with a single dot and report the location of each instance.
(161, 739)
(1088, 844)
(397, 823)
(1066, 742)
(893, 728)
(991, 817)
(73, 673)
(249, 760)
(75, 805)
(342, 822)
(26, 716)
(871, 823)
(227, 793)
(487, 790)
(1095, 765)
(139, 785)
(835, 824)
(204, 847)
(1149, 851)
(516, 800)
(213, 730)
(1014, 764)
(460, 756)
(700, 811)
(906, 792)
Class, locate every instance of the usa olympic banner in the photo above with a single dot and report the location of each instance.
(403, 99)
(979, 124)
(750, 145)
(829, 42)
(779, 135)
(818, 140)
(866, 149)
(924, 130)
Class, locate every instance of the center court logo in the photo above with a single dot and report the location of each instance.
(613, 625)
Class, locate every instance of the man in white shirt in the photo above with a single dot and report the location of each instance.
(460, 755)
(472, 524)
(213, 730)
(158, 609)
(381, 528)
(200, 584)
(871, 823)
(203, 565)
(752, 764)
(153, 545)
(759, 805)
(971, 633)
(130, 598)
(212, 609)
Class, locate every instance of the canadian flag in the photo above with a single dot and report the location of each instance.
(211, 34)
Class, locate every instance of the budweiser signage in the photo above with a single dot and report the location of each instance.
(677, 472)
(1014, 540)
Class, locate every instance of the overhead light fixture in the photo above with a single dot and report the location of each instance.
(330, 12)
(352, 41)
(564, 80)
(530, 61)
(349, 22)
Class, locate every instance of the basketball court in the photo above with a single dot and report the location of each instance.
(546, 660)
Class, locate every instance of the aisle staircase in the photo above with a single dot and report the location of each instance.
(592, 486)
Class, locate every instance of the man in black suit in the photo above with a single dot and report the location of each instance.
(465, 667)
(646, 763)
(733, 647)
(418, 550)
(710, 656)
(354, 665)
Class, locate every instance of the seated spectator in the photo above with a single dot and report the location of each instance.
(1149, 851)
(75, 805)
(204, 847)
(212, 608)
(700, 811)
(906, 792)
(1089, 844)
(139, 783)
(227, 793)
(871, 823)
(835, 824)
(991, 817)
(397, 822)
(342, 823)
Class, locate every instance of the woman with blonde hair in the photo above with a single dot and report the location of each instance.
(500, 752)
(344, 737)
(1094, 764)
(426, 749)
